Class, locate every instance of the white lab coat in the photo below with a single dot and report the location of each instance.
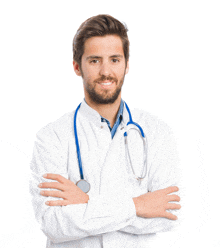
(109, 218)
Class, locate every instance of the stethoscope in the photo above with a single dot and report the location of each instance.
(82, 183)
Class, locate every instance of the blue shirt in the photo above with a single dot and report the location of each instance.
(118, 120)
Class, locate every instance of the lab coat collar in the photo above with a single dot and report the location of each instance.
(125, 118)
(95, 117)
(90, 113)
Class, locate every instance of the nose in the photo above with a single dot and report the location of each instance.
(105, 69)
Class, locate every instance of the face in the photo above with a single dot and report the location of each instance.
(103, 69)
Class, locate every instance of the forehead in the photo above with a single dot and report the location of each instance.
(104, 45)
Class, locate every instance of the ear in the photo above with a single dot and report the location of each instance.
(76, 69)
(127, 68)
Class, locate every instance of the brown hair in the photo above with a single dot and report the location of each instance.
(100, 25)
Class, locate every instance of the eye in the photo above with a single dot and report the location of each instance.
(94, 61)
(115, 60)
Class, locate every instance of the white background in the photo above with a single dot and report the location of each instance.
(174, 74)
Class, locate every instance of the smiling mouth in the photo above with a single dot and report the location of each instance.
(107, 83)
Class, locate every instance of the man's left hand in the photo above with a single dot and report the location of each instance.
(66, 189)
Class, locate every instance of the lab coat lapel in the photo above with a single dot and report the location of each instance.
(113, 176)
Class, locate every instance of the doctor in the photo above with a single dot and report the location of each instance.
(118, 210)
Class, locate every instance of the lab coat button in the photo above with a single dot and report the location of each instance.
(102, 127)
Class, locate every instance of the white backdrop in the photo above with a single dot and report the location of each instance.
(174, 74)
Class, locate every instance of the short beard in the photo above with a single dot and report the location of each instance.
(99, 98)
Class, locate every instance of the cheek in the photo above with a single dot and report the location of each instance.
(89, 73)
(89, 78)
(122, 73)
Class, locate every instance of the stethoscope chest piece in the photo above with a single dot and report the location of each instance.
(83, 185)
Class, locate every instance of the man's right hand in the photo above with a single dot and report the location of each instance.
(154, 204)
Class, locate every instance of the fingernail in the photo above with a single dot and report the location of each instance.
(45, 175)
(47, 202)
(40, 185)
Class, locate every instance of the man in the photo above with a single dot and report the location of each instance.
(119, 210)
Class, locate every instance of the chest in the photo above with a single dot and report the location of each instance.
(105, 162)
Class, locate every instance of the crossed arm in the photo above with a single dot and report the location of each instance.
(101, 213)
(150, 205)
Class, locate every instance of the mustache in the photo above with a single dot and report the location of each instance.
(105, 78)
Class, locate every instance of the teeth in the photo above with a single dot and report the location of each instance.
(106, 83)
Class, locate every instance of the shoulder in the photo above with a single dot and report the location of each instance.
(150, 121)
(157, 131)
(58, 129)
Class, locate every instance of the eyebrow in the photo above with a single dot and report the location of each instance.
(99, 57)
(116, 56)
(93, 57)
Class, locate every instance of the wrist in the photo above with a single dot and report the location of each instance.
(86, 198)
(136, 203)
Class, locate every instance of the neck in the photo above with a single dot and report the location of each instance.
(108, 111)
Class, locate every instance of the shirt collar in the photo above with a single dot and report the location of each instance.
(95, 117)
(120, 112)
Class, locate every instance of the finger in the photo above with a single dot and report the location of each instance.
(53, 193)
(171, 189)
(56, 177)
(173, 206)
(173, 198)
(52, 185)
(170, 216)
(57, 203)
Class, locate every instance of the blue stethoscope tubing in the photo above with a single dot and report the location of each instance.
(144, 138)
(82, 183)
(77, 145)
